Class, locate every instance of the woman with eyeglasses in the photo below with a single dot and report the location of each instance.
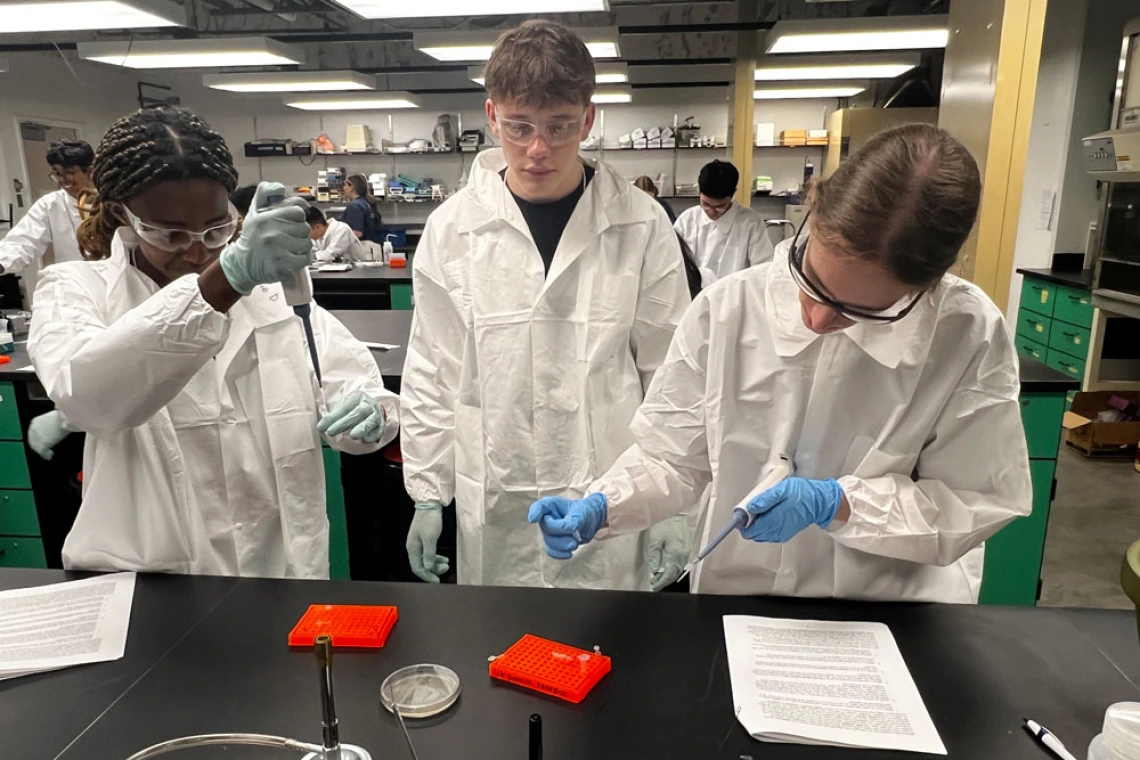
(888, 384)
(173, 348)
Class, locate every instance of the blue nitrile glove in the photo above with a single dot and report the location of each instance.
(46, 432)
(274, 243)
(790, 506)
(427, 527)
(566, 524)
(356, 413)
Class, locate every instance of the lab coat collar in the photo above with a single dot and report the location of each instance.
(904, 343)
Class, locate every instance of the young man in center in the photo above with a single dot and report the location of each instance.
(546, 292)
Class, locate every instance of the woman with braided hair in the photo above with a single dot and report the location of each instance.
(173, 348)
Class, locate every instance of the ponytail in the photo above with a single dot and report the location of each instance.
(97, 228)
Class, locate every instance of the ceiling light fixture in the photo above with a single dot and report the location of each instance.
(851, 34)
(376, 101)
(437, 8)
(866, 66)
(454, 47)
(291, 81)
(613, 95)
(845, 90)
(187, 54)
(88, 15)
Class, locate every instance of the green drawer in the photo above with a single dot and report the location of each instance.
(1041, 415)
(1070, 365)
(13, 466)
(1038, 296)
(1033, 326)
(9, 419)
(22, 552)
(1070, 339)
(402, 298)
(1031, 348)
(1013, 554)
(18, 514)
(1074, 306)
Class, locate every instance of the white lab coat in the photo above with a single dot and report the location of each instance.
(338, 240)
(918, 420)
(202, 452)
(47, 233)
(519, 386)
(735, 241)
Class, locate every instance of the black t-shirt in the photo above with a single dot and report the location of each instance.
(547, 221)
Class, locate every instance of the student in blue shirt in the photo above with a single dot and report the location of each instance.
(361, 213)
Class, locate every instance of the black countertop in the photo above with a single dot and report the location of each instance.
(1081, 278)
(1038, 378)
(363, 274)
(392, 327)
(209, 655)
(13, 371)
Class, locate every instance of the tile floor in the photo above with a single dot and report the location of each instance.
(1094, 519)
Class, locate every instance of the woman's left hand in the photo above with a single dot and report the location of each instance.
(356, 413)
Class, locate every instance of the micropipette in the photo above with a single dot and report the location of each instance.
(299, 294)
(741, 517)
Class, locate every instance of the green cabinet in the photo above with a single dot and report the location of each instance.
(1073, 306)
(22, 552)
(1070, 339)
(1031, 348)
(1054, 325)
(1038, 295)
(1033, 326)
(20, 544)
(18, 514)
(1013, 556)
(13, 466)
(1069, 365)
(9, 417)
(402, 298)
(1041, 417)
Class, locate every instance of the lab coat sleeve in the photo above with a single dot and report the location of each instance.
(760, 248)
(429, 385)
(107, 378)
(662, 299)
(685, 226)
(28, 240)
(667, 468)
(346, 366)
(971, 478)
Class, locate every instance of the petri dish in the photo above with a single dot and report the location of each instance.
(420, 691)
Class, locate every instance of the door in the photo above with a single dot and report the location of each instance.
(35, 139)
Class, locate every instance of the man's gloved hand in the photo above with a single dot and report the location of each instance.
(566, 524)
(356, 413)
(427, 526)
(274, 243)
(668, 551)
(46, 432)
(790, 506)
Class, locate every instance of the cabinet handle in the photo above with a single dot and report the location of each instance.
(1038, 288)
(1068, 334)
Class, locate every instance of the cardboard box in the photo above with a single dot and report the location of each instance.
(1091, 437)
(795, 137)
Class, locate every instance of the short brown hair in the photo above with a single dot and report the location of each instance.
(646, 184)
(541, 64)
(908, 198)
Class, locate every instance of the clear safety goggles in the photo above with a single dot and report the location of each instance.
(554, 133)
(176, 241)
(796, 264)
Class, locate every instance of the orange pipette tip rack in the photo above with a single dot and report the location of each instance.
(350, 625)
(551, 668)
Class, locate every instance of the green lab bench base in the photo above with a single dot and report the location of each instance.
(338, 524)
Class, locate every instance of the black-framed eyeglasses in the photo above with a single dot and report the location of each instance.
(796, 264)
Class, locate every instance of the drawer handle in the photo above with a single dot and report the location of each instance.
(1069, 334)
(1038, 288)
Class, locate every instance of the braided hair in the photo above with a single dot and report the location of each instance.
(141, 150)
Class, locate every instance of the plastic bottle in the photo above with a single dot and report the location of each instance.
(1120, 737)
(388, 250)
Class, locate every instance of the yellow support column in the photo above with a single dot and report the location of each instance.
(743, 110)
(1023, 24)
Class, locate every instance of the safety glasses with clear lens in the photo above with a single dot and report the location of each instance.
(176, 241)
(796, 265)
(554, 133)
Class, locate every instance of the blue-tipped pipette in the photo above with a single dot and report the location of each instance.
(741, 517)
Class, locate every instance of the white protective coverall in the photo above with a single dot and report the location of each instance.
(735, 241)
(338, 240)
(519, 386)
(918, 420)
(47, 233)
(202, 452)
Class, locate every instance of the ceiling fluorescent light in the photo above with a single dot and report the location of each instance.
(373, 101)
(845, 90)
(605, 73)
(867, 66)
(87, 15)
(610, 95)
(290, 81)
(850, 34)
(437, 8)
(186, 54)
(453, 47)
